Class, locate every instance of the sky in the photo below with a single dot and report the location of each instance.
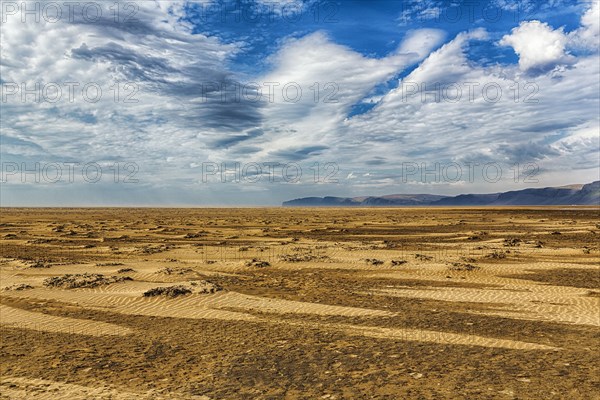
(254, 102)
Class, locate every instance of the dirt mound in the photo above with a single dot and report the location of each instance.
(72, 281)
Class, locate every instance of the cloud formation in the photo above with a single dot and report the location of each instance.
(177, 95)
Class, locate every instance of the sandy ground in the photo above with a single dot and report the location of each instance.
(300, 303)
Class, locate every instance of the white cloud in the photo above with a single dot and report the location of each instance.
(588, 36)
(538, 45)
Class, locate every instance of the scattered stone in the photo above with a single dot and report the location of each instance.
(125, 270)
(374, 261)
(395, 263)
(423, 257)
(556, 233)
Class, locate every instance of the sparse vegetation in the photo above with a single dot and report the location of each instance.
(174, 271)
(459, 266)
(200, 287)
(497, 254)
(256, 263)
(512, 242)
(168, 291)
(73, 281)
(39, 264)
(297, 257)
(19, 286)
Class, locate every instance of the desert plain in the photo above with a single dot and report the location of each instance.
(300, 303)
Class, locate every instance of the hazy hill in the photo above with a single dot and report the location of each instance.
(564, 195)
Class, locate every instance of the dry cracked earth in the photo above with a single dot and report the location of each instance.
(421, 303)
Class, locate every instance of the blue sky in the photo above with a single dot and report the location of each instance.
(255, 102)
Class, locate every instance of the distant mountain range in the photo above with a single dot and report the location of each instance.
(564, 195)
